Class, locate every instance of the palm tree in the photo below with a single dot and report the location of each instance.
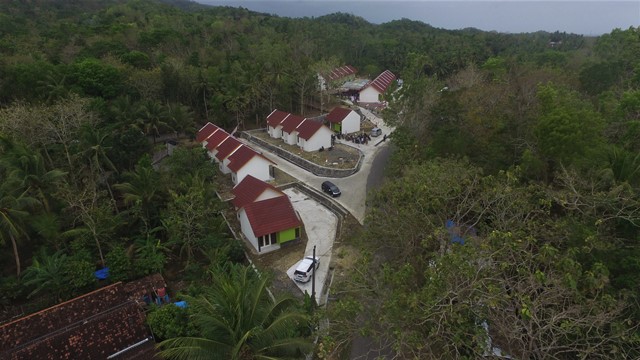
(238, 320)
(151, 253)
(624, 166)
(125, 112)
(30, 167)
(201, 86)
(144, 188)
(54, 85)
(153, 118)
(14, 210)
(95, 152)
(181, 118)
(48, 272)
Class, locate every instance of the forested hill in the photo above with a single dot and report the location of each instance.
(136, 36)
(510, 214)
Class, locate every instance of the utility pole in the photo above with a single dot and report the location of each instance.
(313, 279)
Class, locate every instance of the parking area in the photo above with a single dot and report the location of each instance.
(320, 225)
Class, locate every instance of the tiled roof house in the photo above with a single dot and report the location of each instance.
(341, 72)
(205, 132)
(313, 135)
(343, 120)
(214, 141)
(289, 126)
(274, 123)
(245, 161)
(338, 74)
(373, 92)
(269, 223)
(251, 189)
(226, 148)
(103, 324)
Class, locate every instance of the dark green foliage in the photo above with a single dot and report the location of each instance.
(596, 78)
(81, 272)
(137, 59)
(127, 146)
(237, 319)
(92, 77)
(170, 321)
(119, 264)
(568, 129)
(150, 255)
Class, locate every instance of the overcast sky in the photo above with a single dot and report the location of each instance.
(588, 17)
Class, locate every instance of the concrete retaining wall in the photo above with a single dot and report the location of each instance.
(320, 197)
(303, 163)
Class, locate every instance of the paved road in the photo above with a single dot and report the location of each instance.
(376, 174)
(320, 224)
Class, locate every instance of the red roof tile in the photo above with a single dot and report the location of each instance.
(308, 127)
(338, 114)
(271, 215)
(291, 123)
(250, 189)
(382, 82)
(341, 72)
(242, 156)
(91, 326)
(216, 139)
(276, 117)
(206, 131)
(227, 147)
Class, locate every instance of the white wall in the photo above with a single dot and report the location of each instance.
(351, 123)
(290, 138)
(268, 194)
(322, 138)
(212, 154)
(276, 132)
(223, 165)
(256, 167)
(246, 228)
(369, 94)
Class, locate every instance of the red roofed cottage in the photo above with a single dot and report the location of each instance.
(205, 132)
(335, 75)
(313, 135)
(290, 129)
(226, 148)
(343, 120)
(269, 223)
(246, 161)
(274, 123)
(251, 189)
(375, 89)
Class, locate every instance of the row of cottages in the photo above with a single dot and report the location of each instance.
(309, 135)
(375, 89)
(343, 120)
(266, 215)
(232, 156)
(338, 74)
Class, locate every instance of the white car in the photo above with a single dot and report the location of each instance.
(305, 269)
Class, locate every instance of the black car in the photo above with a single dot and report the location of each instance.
(330, 188)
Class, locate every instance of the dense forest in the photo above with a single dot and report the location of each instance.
(523, 147)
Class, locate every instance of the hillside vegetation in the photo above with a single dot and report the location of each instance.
(524, 146)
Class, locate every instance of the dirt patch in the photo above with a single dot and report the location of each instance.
(281, 178)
